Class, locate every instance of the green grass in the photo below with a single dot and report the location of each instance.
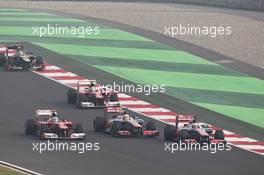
(253, 116)
(8, 171)
(126, 53)
(47, 19)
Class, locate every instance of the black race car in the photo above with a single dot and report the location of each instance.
(14, 57)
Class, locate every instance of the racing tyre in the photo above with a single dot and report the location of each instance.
(26, 67)
(9, 63)
(29, 127)
(44, 128)
(8, 67)
(80, 98)
(150, 126)
(91, 98)
(2, 59)
(116, 126)
(78, 128)
(40, 62)
(113, 97)
(169, 133)
(219, 134)
(184, 134)
(99, 124)
(100, 102)
(71, 95)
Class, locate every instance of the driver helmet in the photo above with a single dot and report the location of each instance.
(126, 117)
(93, 83)
(93, 89)
(54, 114)
(20, 53)
(55, 119)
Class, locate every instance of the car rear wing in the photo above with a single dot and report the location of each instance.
(49, 112)
(15, 47)
(184, 119)
(3, 49)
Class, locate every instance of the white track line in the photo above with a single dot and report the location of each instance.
(52, 68)
(150, 110)
(68, 74)
(235, 139)
(134, 102)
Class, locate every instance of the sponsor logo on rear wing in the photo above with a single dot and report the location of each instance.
(185, 118)
(116, 109)
(45, 112)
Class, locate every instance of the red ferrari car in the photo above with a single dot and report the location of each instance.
(47, 125)
(89, 94)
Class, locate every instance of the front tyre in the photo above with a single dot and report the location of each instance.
(99, 124)
(30, 127)
(169, 133)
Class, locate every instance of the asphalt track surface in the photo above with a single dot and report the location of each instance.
(23, 92)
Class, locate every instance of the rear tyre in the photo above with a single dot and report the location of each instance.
(2, 59)
(99, 124)
(78, 128)
(116, 126)
(30, 127)
(9, 63)
(8, 67)
(100, 102)
(71, 95)
(219, 134)
(184, 134)
(113, 97)
(40, 62)
(169, 133)
(150, 126)
(26, 67)
(44, 128)
(91, 98)
(80, 98)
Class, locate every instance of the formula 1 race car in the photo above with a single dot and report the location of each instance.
(89, 94)
(3, 50)
(187, 129)
(47, 125)
(14, 57)
(118, 123)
